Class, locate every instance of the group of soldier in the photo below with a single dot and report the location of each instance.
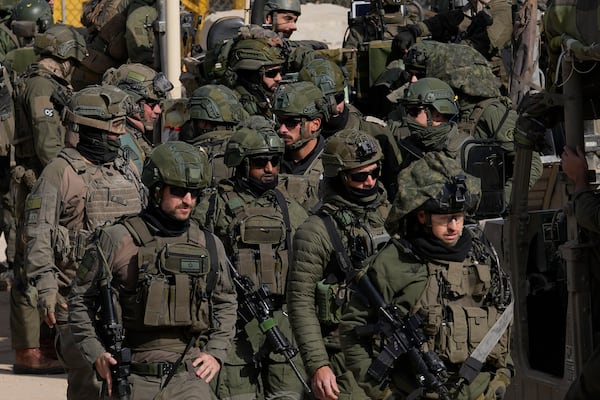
(133, 251)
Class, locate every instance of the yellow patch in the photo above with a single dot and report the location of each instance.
(33, 203)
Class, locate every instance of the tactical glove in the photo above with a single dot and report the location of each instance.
(497, 387)
(406, 37)
(47, 300)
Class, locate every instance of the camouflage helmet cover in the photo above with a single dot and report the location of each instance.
(431, 92)
(282, 5)
(325, 74)
(216, 103)
(62, 42)
(176, 164)
(252, 54)
(349, 149)
(299, 99)
(101, 107)
(32, 16)
(254, 137)
(139, 80)
(436, 183)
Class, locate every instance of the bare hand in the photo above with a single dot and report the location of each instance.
(103, 363)
(208, 367)
(324, 384)
(575, 166)
(50, 317)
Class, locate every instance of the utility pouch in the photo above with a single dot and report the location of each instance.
(329, 308)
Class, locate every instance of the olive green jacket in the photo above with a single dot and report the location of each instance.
(313, 261)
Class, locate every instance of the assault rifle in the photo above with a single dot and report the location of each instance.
(256, 304)
(112, 334)
(403, 335)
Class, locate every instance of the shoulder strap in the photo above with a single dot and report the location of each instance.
(286, 219)
(10, 34)
(138, 230)
(340, 253)
(211, 246)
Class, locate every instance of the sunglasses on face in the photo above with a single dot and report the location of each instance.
(178, 191)
(414, 111)
(261, 162)
(339, 97)
(363, 176)
(272, 72)
(290, 123)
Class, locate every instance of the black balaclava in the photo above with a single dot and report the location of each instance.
(165, 224)
(96, 145)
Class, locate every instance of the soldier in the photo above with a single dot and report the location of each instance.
(29, 18)
(258, 68)
(148, 89)
(42, 93)
(151, 251)
(214, 113)
(354, 207)
(442, 273)
(486, 25)
(301, 111)
(332, 81)
(79, 190)
(381, 22)
(243, 206)
(282, 15)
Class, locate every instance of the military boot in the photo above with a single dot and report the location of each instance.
(33, 362)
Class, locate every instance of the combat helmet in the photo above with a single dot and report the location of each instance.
(62, 42)
(326, 75)
(299, 99)
(176, 164)
(431, 92)
(31, 17)
(256, 136)
(98, 107)
(253, 54)
(349, 149)
(140, 81)
(435, 183)
(282, 5)
(216, 103)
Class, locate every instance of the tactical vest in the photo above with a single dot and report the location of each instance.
(468, 123)
(460, 304)
(176, 277)
(110, 195)
(305, 188)
(215, 143)
(260, 237)
(353, 243)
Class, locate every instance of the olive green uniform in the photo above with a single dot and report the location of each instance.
(417, 284)
(39, 137)
(131, 252)
(66, 204)
(237, 215)
(316, 290)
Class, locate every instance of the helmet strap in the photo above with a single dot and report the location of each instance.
(303, 141)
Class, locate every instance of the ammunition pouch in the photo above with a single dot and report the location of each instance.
(330, 298)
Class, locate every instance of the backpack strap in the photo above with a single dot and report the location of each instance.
(286, 219)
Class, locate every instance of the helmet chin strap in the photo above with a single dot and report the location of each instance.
(303, 141)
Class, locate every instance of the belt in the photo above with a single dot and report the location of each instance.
(158, 369)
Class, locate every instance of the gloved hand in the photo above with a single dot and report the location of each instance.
(48, 299)
(406, 37)
(497, 387)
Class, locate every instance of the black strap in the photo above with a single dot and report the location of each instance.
(210, 211)
(338, 248)
(211, 246)
(288, 225)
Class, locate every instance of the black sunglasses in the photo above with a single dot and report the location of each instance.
(339, 97)
(414, 111)
(362, 176)
(178, 191)
(272, 72)
(290, 122)
(261, 162)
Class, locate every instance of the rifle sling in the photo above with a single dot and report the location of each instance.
(471, 368)
(340, 253)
